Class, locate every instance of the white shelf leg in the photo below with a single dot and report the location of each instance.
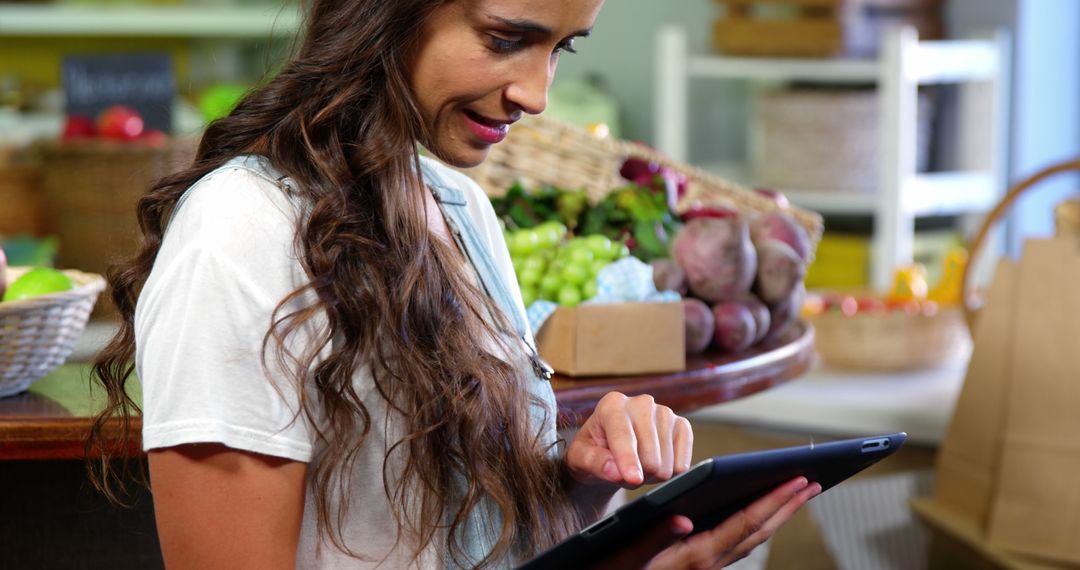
(894, 224)
(996, 245)
(672, 98)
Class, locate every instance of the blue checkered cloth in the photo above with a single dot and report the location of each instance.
(628, 280)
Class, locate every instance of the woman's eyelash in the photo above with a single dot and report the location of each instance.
(503, 45)
(567, 46)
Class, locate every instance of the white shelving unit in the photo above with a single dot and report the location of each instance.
(216, 34)
(224, 22)
(904, 65)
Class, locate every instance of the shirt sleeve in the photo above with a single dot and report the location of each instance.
(225, 264)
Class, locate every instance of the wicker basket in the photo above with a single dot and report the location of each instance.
(1067, 219)
(91, 189)
(825, 139)
(890, 341)
(38, 334)
(542, 151)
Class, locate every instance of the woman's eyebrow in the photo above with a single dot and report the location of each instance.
(530, 27)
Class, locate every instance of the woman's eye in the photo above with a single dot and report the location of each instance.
(567, 46)
(503, 45)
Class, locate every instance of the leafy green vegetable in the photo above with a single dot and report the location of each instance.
(633, 214)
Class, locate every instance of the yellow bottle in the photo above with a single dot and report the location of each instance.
(950, 287)
(909, 284)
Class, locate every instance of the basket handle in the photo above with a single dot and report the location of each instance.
(969, 299)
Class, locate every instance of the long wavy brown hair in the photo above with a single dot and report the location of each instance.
(340, 120)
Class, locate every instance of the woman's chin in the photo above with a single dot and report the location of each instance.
(461, 155)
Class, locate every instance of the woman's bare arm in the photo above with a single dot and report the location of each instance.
(217, 507)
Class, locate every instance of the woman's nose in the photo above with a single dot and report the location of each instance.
(529, 89)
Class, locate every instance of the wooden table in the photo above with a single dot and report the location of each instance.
(51, 515)
(52, 420)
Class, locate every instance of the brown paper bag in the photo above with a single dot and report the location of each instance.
(967, 462)
(1036, 506)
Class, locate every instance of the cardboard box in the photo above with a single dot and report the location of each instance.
(620, 338)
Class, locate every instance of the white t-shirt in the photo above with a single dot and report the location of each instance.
(227, 259)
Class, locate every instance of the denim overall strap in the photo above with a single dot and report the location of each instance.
(454, 205)
(482, 527)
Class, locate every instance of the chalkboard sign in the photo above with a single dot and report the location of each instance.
(144, 82)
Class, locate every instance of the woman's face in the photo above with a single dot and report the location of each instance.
(481, 64)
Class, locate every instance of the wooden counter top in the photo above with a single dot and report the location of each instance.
(53, 418)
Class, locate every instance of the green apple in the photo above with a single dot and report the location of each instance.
(36, 282)
(3, 272)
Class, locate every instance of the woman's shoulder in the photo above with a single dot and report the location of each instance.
(244, 195)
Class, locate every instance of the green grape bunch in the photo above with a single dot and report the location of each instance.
(554, 266)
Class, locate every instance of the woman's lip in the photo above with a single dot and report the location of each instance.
(491, 133)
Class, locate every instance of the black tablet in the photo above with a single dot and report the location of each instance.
(713, 490)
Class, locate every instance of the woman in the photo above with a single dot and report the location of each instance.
(335, 362)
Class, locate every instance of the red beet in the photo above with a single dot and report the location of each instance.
(779, 270)
(760, 312)
(700, 325)
(785, 313)
(735, 328)
(668, 276)
(783, 227)
(717, 256)
(634, 169)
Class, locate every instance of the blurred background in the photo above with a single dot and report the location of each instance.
(902, 122)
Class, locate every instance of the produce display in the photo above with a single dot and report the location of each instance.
(910, 293)
(637, 215)
(36, 282)
(740, 274)
(118, 123)
(553, 266)
(744, 272)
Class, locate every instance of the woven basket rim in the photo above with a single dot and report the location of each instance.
(86, 284)
(552, 146)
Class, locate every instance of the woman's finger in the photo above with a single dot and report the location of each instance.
(707, 549)
(772, 524)
(618, 434)
(639, 552)
(682, 444)
(643, 415)
(665, 431)
(591, 464)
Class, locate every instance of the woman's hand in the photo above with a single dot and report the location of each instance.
(667, 547)
(742, 532)
(628, 442)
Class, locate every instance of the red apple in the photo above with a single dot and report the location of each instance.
(120, 123)
(870, 305)
(79, 127)
(154, 138)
